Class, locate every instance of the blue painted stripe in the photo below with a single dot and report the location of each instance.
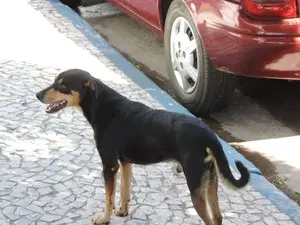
(283, 203)
(259, 182)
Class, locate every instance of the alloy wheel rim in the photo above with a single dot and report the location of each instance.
(184, 55)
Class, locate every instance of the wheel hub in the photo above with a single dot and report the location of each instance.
(183, 52)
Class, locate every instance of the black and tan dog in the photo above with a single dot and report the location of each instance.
(129, 132)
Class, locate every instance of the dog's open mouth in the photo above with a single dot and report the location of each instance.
(56, 106)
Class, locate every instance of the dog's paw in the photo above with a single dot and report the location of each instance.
(99, 219)
(121, 212)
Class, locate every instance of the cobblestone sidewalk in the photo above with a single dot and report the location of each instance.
(51, 174)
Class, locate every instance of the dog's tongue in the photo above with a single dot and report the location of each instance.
(55, 106)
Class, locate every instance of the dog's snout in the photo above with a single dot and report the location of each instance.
(40, 95)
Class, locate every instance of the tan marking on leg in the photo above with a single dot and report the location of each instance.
(126, 176)
(209, 157)
(219, 174)
(200, 201)
(212, 196)
(110, 191)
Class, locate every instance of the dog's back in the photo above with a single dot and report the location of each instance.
(146, 134)
(150, 136)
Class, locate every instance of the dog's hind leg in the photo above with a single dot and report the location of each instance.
(126, 175)
(212, 195)
(197, 176)
(199, 200)
(110, 178)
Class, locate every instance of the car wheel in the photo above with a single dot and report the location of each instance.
(197, 84)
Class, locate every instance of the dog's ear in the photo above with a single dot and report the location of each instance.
(91, 85)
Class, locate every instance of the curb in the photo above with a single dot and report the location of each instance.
(282, 202)
(278, 198)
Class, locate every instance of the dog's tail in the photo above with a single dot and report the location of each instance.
(222, 164)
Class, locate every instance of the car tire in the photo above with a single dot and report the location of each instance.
(212, 90)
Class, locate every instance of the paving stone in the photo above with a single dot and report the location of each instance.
(227, 222)
(72, 215)
(288, 222)
(50, 218)
(36, 208)
(45, 191)
(60, 187)
(191, 221)
(139, 216)
(263, 202)
(159, 219)
(250, 217)
(280, 216)
(9, 212)
(23, 221)
(259, 223)
(25, 201)
(4, 203)
(22, 211)
(270, 221)
(63, 221)
(4, 222)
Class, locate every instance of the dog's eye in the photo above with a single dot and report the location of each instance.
(62, 84)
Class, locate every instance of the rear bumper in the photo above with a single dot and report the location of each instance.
(261, 57)
(240, 46)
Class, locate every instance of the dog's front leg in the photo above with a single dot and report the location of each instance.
(126, 175)
(110, 178)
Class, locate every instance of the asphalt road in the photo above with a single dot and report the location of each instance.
(262, 121)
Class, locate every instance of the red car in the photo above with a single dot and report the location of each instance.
(209, 41)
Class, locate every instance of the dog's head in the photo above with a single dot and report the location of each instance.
(68, 89)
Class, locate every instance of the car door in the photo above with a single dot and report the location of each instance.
(146, 10)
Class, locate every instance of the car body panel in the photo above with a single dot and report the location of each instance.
(147, 9)
(151, 20)
(235, 43)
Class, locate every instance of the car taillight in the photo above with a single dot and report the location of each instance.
(270, 8)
